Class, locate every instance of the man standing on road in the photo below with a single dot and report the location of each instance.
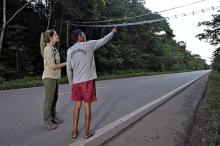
(81, 73)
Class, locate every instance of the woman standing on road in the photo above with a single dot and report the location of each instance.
(50, 77)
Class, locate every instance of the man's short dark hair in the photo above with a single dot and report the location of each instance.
(75, 34)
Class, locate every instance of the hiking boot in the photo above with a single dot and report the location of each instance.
(49, 125)
(57, 120)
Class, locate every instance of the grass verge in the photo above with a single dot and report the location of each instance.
(36, 81)
(213, 109)
(206, 129)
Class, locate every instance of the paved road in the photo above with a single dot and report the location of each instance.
(21, 109)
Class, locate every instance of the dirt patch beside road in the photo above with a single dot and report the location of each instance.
(199, 129)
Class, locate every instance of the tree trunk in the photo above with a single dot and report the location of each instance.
(17, 65)
(50, 12)
(2, 36)
(3, 25)
(61, 24)
(67, 34)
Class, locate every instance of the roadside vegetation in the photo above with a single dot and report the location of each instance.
(213, 110)
(36, 81)
(206, 129)
(142, 49)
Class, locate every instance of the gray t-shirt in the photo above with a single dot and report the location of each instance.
(81, 62)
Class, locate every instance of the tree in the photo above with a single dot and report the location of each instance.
(6, 22)
(51, 4)
(212, 35)
(133, 48)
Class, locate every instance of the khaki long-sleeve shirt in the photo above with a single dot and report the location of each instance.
(51, 57)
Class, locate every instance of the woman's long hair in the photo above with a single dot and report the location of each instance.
(45, 38)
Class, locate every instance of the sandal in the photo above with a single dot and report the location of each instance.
(88, 135)
(74, 134)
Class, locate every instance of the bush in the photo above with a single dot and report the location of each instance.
(2, 80)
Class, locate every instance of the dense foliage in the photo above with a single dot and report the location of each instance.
(211, 34)
(140, 48)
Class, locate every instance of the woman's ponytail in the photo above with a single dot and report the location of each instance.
(43, 42)
(45, 38)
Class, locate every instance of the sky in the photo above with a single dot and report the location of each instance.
(186, 28)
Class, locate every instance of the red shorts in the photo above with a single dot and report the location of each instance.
(84, 91)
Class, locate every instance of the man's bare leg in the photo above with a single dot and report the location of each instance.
(87, 119)
(76, 113)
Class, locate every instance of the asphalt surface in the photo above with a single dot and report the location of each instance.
(21, 109)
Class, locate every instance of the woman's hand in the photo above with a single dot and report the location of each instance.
(58, 66)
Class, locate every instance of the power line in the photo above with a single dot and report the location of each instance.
(147, 21)
(181, 6)
(194, 12)
(133, 17)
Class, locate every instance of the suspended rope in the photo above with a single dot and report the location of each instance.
(123, 19)
(123, 24)
(147, 21)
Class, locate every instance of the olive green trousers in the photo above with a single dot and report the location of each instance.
(51, 97)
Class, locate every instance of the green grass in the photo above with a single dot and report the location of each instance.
(36, 81)
(21, 83)
(213, 110)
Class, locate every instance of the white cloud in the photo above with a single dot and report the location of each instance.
(186, 28)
